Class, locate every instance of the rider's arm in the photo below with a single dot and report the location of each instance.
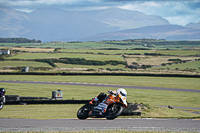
(112, 92)
(123, 100)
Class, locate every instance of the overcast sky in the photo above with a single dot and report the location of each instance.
(179, 12)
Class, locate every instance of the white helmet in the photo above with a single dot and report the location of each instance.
(122, 91)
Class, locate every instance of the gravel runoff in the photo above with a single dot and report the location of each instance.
(25, 125)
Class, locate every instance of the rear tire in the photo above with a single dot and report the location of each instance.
(82, 113)
(114, 111)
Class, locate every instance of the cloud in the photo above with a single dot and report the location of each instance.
(175, 11)
(28, 5)
(44, 2)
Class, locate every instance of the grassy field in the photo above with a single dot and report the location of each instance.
(125, 56)
(178, 52)
(71, 45)
(167, 82)
(66, 111)
(72, 67)
(154, 60)
(153, 97)
(34, 49)
(128, 51)
(91, 51)
(68, 55)
(23, 63)
(128, 44)
(110, 52)
(184, 66)
(123, 51)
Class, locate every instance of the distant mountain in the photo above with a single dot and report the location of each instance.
(125, 19)
(193, 25)
(50, 24)
(169, 32)
(12, 23)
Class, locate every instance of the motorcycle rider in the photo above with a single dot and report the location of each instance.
(100, 99)
(2, 97)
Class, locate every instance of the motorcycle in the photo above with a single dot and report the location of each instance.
(114, 108)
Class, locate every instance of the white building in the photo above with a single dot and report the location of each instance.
(4, 51)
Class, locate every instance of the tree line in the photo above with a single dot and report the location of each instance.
(19, 40)
(79, 61)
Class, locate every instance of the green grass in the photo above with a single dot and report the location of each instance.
(153, 97)
(23, 63)
(106, 55)
(61, 65)
(167, 82)
(109, 44)
(78, 45)
(178, 52)
(66, 111)
(184, 66)
(110, 52)
(159, 60)
(68, 55)
(40, 111)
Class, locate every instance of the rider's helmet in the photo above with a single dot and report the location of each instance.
(122, 91)
(2, 92)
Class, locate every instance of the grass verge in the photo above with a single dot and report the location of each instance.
(166, 82)
(66, 111)
(153, 97)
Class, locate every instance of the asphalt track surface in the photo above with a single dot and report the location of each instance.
(24, 125)
(101, 85)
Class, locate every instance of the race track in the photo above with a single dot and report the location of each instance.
(24, 125)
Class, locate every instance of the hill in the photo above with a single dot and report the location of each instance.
(193, 25)
(168, 32)
(51, 24)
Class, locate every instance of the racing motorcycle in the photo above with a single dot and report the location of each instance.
(114, 107)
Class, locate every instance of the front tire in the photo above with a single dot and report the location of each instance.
(1, 106)
(114, 111)
(82, 113)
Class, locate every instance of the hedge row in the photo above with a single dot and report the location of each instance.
(46, 102)
(79, 61)
(100, 74)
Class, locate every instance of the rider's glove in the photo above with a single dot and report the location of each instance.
(112, 92)
(96, 99)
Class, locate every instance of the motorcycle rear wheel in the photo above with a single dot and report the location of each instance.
(114, 111)
(82, 113)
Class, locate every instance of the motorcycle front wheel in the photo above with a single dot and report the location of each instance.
(1, 106)
(82, 113)
(114, 111)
